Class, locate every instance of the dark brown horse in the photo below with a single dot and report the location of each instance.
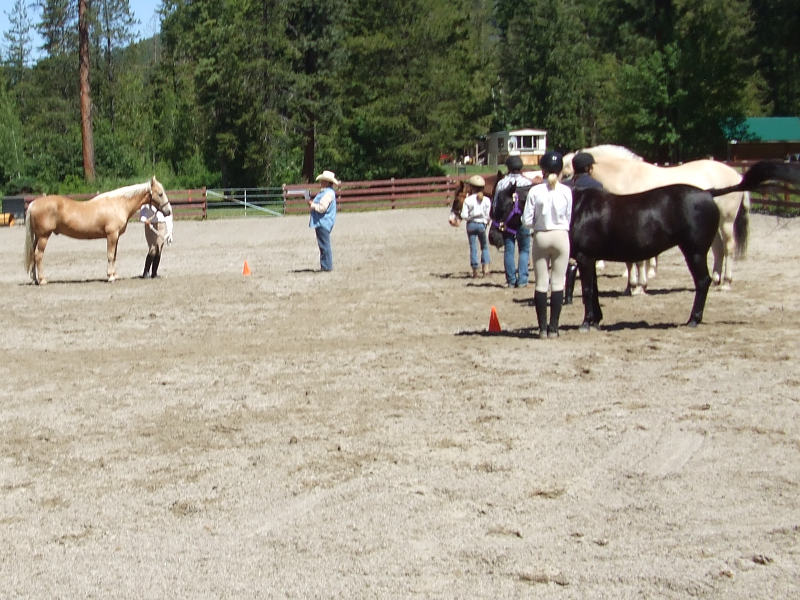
(636, 227)
(461, 193)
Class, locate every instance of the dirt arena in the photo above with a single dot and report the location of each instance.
(360, 434)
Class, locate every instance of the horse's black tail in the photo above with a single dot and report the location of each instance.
(741, 226)
(765, 170)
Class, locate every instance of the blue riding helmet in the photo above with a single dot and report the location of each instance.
(551, 162)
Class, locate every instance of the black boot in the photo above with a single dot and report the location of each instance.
(540, 301)
(156, 260)
(569, 287)
(556, 300)
(147, 262)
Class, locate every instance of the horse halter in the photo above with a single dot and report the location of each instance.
(155, 205)
(515, 210)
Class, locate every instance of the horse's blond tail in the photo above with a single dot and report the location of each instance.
(29, 242)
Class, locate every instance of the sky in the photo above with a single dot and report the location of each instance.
(143, 10)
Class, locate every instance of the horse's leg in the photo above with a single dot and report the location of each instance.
(651, 272)
(591, 305)
(717, 250)
(637, 278)
(702, 281)
(112, 242)
(38, 253)
(728, 249)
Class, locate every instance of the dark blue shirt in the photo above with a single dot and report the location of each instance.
(583, 181)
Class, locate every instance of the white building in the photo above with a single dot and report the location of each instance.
(529, 144)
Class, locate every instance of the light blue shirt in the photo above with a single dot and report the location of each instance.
(323, 209)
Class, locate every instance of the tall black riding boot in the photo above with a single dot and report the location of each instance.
(569, 286)
(556, 300)
(156, 260)
(540, 301)
(147, 262)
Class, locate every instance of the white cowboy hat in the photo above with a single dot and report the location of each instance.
(477, 181)
(328, 176)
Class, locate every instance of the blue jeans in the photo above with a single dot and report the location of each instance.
(476, 234)
(517, 272)
(325, 250)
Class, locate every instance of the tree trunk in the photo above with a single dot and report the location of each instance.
(308, 154)
(86, 99)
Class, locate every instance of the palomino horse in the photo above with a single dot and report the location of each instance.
(104, 216)
(623, 172)
(635, 227)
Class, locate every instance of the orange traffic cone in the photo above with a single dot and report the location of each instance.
(245, 269)
(494, 322)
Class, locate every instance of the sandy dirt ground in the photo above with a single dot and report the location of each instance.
(360, 434)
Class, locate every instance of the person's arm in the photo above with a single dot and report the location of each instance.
(465, 209)
(324, 202)
(168, 221)
(569, 207)
(527, 214)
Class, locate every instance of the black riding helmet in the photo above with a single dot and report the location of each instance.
(552, 162)
(514, 163)
(582, 161)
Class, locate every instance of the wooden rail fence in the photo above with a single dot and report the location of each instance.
(376, 195)
(389, 194)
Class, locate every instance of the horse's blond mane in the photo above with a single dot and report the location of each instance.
(127, 191)
(612, 151)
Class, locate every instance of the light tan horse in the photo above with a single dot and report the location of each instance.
(623, 172)
(104, 216)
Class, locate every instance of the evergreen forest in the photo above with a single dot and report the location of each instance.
(254, 93)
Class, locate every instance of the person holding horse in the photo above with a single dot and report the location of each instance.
(582, 165)
(157, 230)
(323, 217)
(476, 213)
(505, 219)
(548, 212)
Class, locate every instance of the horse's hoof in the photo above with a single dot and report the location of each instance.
(692, 323)
(651, 273)
(112, 278)
(585, 328)
(42, 282)
(638, 291)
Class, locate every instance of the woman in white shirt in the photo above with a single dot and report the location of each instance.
(157, 230)
(548, 212)
(476, 213)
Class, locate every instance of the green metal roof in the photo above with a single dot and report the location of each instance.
(772, 129)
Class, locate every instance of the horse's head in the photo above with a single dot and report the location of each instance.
(458, 203)
(158, 196)
(568, 171)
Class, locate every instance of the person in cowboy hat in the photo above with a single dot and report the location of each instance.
(323, 217)
(476, 213)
